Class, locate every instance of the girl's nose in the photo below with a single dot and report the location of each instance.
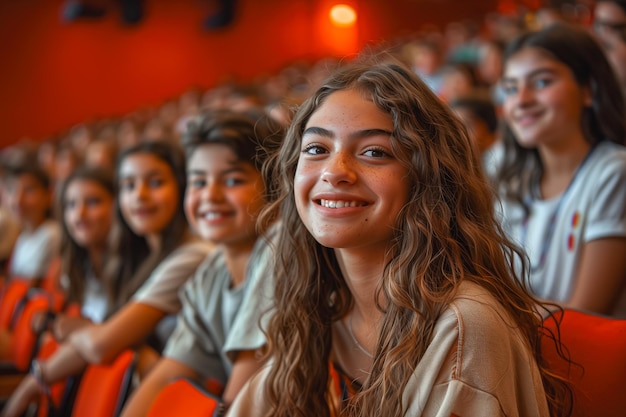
(338, 169)
(213, 191)
(524, 95)
(81, 210)
(141, 190)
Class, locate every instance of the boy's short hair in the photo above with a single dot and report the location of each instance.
(250, 134)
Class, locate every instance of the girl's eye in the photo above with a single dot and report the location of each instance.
(541, 83)
(70, 204)
(155, 182)
(92, 202)
(127, 186)
(509, 90)
(231, 182)
(314, 149)
(376, 153)
(197, 182)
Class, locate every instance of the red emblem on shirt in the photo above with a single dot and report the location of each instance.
(575, 219)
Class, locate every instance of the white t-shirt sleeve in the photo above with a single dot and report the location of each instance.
(607, 212)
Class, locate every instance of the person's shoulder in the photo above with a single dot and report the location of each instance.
(609, 153)
(607, 164)
(187, 256)
(49, 231)
(478, 311)
(50, 226)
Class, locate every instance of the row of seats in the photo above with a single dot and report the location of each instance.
(101, 390)
(596, 345)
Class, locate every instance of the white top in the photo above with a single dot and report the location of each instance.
(593, 207)
(476, 365)
(218, 320)
(34, 251)
(95, 300)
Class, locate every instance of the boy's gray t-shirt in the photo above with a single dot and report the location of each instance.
(216, 320)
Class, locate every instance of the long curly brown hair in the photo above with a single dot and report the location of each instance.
(446, 233)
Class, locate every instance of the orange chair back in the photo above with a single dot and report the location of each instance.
(598, 345)
(24, 342)
(13, 291)
(103, 389)
(184, 398)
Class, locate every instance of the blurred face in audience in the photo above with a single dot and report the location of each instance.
(148, 195)
(29, 200)
(544, 103)
(224, 196)
(88, 212)
(610, 28)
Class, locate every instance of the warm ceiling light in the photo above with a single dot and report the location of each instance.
(342, 15)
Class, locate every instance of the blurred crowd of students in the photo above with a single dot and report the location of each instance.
(150, 223)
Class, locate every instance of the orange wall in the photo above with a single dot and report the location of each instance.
(55, 74)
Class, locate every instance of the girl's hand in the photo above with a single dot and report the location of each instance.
(64, 325)
(25, 394)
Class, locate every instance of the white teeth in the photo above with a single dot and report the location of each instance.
(212, 215)
(338, 203)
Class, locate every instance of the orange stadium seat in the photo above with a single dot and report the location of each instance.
(104, 389)
(183, 397)
(597, 346)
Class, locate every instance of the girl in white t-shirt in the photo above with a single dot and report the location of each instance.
(563, 178)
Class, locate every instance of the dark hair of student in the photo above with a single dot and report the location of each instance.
(604, 120)
(74, 258)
